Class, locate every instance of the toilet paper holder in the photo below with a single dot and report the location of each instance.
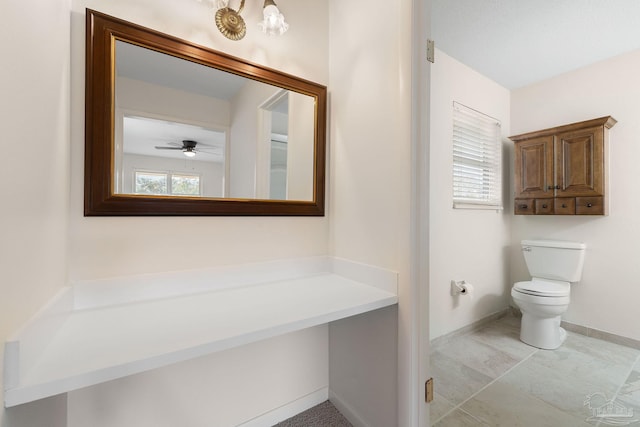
(461, 287)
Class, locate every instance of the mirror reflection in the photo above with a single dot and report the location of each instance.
(175, 128)
(182, 129)
(161, 157)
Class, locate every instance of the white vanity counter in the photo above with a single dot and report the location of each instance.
(98, 331)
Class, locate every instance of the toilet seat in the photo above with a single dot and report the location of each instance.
(543, 288)
(539, 300)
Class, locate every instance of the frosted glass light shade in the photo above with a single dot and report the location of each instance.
(273, 22)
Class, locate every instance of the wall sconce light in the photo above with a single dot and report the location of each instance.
(230, 23)
(233, 27)
(273, 22)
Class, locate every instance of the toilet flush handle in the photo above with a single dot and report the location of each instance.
(526, 249)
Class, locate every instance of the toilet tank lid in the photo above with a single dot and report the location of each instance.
(554, 244)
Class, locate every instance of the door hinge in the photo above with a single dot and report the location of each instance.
(431, 54)
(428, 390)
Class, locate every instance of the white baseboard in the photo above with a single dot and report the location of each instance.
(347, 411)
(289, 410)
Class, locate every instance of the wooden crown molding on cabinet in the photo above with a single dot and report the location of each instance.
(563, 170)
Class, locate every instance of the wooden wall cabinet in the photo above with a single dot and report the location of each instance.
(563, 170)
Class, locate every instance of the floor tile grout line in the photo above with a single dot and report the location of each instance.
(475, 417)
(615, 396)
(484, 387)
(633, 365)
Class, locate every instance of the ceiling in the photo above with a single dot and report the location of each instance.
(520, 42)
(139, 63)
(143, 135)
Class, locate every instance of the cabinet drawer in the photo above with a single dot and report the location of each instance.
(590, 206)
(544, 206)
(524, 207)
(565, 206)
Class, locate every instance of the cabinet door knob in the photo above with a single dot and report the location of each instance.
(557, 187)
(589, 205)
(564, 205)
(523, 206)
(544, 206)
(550, 187)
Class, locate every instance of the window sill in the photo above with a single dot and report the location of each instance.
(459, 205)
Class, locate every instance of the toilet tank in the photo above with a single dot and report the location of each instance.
(554, 259)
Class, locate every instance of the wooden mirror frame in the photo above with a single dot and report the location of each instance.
(99, 198)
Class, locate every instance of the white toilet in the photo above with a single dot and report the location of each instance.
(553, 265)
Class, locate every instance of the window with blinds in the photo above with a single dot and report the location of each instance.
(477, 159)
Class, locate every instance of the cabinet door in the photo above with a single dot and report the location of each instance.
(580, 163)
(534, 167)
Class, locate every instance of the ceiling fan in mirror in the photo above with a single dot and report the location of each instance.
(188, 147)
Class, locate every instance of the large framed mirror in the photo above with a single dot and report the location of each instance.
(174, 128)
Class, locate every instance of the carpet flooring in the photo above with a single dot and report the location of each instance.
(322, 415)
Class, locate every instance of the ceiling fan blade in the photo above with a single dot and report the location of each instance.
(204, 144)
(168, 148)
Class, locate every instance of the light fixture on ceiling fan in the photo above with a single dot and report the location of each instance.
(188, 147)
(233, 27)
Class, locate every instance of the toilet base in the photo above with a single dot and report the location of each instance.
(544, 333)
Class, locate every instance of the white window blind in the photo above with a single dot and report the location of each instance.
(477, 159)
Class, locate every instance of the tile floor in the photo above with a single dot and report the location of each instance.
(488, 377)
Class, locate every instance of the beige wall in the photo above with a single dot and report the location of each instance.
(300, 147)
(224, 389)
(607, 297)
(245, 131)
(370, 204)
(47, 241)
(466, 244)
(34, 174)
(106, 247)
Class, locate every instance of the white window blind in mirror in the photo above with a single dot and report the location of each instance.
(477, 159)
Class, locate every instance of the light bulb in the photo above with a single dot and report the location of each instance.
(273, 22)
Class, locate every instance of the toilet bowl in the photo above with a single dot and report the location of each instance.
(553, 265)
(542, 304)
